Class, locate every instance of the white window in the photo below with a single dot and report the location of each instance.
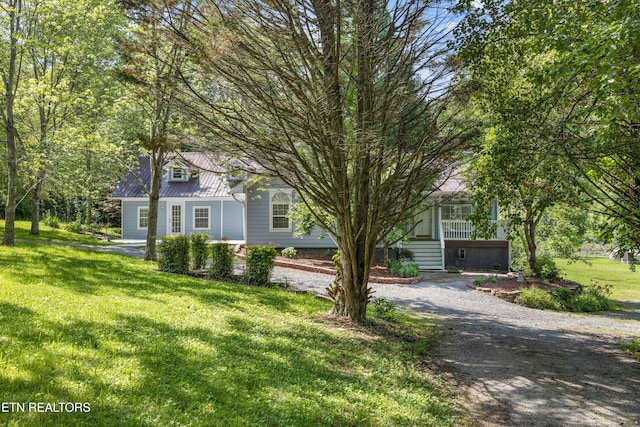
(456, 212)
(280, 200)
(177, 174)
(143, 218)
(201, 217)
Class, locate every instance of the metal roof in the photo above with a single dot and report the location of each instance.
(207, 178)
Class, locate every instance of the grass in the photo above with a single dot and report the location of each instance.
(145, 348)
(633, 348)
(625, 283)
(49, 234)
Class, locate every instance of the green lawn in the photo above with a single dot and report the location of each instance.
(145, 348)
(51, 234)
(626, 283)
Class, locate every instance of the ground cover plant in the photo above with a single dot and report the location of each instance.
(146, 348)
(51, 234)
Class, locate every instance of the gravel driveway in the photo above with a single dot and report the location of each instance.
(518, 366)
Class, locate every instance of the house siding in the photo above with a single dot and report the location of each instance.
(228, 211)
(130, 219)
(259, 216)
(214, 217)
(233, 225)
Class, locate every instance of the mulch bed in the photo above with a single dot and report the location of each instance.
(321, 263)
(508, 287)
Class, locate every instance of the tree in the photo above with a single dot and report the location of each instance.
(11, 14)
(67, 51)
(591, 74)
(152, 62)
(346, 102)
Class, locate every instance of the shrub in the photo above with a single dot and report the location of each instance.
(259, 265)
(479, 280)
(537, 298)
(173, 254)
(409, 270)
(222, 261)
(51, 221)
(384, 309)
(406, 255)
(546, 268)
(199, 250)
(564, 297)
(394, 266)
(594, 298)
(493, 279)
(289, 252)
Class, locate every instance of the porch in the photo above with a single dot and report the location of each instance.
(453, 245)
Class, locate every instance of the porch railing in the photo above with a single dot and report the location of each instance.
(462, 230)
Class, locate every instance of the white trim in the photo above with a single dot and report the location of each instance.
(180, 199)
(138, 218)
(273, 192)
(221, 219)
(193, 216)
(170, 231)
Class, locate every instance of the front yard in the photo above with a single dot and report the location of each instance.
(144, 348)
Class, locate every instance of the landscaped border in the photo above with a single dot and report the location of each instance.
(328, 270)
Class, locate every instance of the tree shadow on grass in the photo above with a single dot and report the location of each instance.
(142, 371)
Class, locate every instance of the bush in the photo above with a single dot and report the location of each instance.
(479, 280)
(538, 299)
(51, 221)
(259, 265)
(409, 270)
(222, 261)
(594, 298)
(173, 254)
(546, 268)
(406, 255)
(289, 252)
(199, 250)
(394, 266)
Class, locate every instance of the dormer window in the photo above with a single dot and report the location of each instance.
(178, 174)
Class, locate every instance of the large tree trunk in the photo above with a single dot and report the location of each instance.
(157, 162)
(37, 202)
(9, 81)
(10, 210)
(530, 237)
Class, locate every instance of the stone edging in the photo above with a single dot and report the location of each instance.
(331, 271)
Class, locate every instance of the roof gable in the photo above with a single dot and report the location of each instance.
(206, 178)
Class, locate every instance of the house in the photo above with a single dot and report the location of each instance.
(198, 195)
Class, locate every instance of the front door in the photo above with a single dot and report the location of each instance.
(175, 219)
(424, 226)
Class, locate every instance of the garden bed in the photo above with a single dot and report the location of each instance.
(508, 288)
(322, 263)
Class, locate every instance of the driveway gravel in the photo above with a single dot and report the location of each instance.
(519, 366)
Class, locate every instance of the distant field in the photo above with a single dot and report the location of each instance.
(626, 283)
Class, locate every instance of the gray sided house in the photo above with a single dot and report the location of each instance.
(196, 196)
(440, 236)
